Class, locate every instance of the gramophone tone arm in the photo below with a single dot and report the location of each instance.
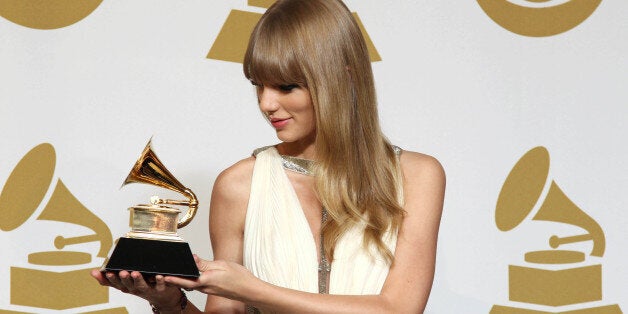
(155, 200)
(60, 241)
(192, 205)
(172, 202)
(556, 241)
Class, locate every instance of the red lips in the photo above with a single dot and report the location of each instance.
(279, 123)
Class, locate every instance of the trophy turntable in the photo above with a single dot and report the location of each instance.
(153, 246)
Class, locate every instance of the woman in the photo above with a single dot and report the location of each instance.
(334, 219)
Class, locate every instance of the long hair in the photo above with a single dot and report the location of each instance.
(318, 45)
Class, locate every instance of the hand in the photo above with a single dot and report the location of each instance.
(157, 291)
(221, 278)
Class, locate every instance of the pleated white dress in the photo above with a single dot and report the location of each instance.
(279, 247)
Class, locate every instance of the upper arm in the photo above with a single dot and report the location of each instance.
(410, 278)
(227, 213)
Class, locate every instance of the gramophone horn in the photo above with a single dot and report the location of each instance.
(150, 170)
(26, 186)
(522, 191)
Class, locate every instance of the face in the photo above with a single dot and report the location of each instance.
(289, 110)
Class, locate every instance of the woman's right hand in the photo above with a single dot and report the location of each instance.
(159, 293)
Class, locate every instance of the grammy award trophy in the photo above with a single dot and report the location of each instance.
(152, 246)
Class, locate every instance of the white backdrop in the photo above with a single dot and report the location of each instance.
(452, 83)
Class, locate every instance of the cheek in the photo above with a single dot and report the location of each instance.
(307, 111)
(311, 120)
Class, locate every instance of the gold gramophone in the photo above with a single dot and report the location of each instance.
(568, 280)
(152, 246)
(52, 279)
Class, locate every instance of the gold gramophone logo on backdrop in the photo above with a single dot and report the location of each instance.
(231, 42)
(45, 282)
(47, 14)
(539, 18)
(552, 278)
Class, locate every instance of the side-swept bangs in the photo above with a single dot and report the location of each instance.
(272, 57)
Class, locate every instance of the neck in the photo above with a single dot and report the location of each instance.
(302, 149)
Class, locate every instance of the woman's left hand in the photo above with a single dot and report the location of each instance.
(221, 278)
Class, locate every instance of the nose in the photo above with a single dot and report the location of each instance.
(268, 99)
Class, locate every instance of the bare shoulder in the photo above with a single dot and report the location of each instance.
(421, 166)
(236, 177)
(235, 181)
(230, 197)
(423, 183)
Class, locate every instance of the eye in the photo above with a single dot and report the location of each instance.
(288, 87)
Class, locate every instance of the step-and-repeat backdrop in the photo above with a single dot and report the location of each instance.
(525, 102)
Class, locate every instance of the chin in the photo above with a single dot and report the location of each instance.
(289, 138)
(286, 139)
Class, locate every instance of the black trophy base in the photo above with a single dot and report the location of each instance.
(152, 257)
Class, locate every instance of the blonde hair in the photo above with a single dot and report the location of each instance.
(317, 44)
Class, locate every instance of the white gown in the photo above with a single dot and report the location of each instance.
(279, 247)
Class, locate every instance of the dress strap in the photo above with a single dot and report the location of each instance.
(296, 164)
(261, 149)
(397, 150)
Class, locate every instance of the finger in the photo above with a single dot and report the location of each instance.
(99, 276)
(114, 281)
(160, 283)
(187, 284)
(204, 265)
(139, 282)
(127, 281)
